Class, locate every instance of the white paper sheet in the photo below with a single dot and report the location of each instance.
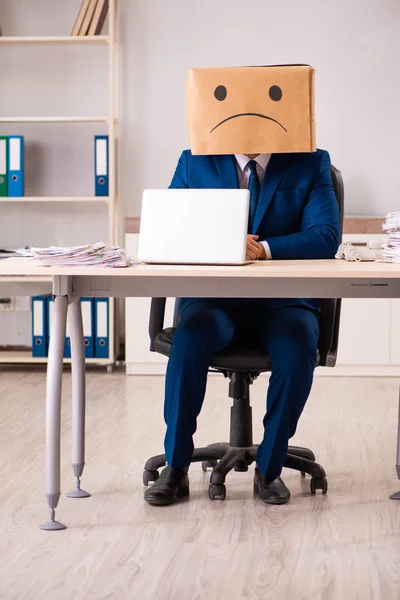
(100, 254)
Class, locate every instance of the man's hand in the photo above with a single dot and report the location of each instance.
(254, 250)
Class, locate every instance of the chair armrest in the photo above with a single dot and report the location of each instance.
(329, 339)
(156, 321)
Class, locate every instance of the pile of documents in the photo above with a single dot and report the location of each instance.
(97, 255)
(391, 243)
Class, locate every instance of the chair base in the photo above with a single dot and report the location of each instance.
(223, 458)
(240, 452)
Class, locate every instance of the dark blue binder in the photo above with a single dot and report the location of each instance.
(49, 318)
(39, 326)
(87, 307)
(67, 343)
(15, 166)
(102, 328)
(101, 165)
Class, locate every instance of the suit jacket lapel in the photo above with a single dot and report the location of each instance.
(226, 166)
(276, 168)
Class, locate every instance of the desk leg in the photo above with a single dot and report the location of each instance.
(78, 396)
(53, 410)
(396, 495)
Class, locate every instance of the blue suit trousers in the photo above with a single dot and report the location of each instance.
(290, 337)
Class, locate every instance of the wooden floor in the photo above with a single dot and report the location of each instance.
(343, 546)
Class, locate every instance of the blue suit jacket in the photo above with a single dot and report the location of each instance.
(297, 212)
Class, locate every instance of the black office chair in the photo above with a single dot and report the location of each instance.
(242, 365)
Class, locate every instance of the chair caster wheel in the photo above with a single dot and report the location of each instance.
(319, 484)
(208, 464)
(149, 476)
(303, 473)
(217, 491)
(241, 466)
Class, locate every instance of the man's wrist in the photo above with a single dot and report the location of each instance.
(263, 254)
(266, 255)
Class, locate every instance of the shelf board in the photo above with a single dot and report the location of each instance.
(55, 199)
(25, 357)
(25, 279)
(55, 39)
(25, 286)
(100, 119)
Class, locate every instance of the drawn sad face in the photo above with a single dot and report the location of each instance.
(250, 110)
(275, 94)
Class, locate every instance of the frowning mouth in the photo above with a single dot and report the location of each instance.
(249, 115)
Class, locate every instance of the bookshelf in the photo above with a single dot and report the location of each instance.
(111, 119)
(63, 39)
(55, 199)
(54, 119)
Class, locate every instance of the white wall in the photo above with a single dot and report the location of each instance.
(354, 45)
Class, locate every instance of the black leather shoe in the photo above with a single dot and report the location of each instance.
(169, 487)
(270, 491)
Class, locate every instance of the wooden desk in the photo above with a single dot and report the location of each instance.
(269, 279)
(279, 279)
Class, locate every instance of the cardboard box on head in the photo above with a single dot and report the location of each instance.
(251, 110)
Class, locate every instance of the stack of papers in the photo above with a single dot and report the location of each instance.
(391, 244)
(98, 255)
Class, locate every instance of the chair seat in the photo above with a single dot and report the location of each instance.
(235, 357)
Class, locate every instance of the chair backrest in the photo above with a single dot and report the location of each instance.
(338, 187)
(330, 310)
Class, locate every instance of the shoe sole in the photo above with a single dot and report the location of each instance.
(277, 501)
(181, 493)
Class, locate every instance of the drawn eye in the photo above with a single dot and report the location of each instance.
(220, 92)
(275, 93)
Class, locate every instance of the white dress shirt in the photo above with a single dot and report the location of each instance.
(242, 162)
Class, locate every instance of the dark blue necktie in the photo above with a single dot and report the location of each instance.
(254, 188)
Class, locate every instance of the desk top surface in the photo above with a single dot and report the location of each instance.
(274, 269)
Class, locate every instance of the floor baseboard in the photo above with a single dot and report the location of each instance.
(338, 371)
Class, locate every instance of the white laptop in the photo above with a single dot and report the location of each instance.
(194, 226)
